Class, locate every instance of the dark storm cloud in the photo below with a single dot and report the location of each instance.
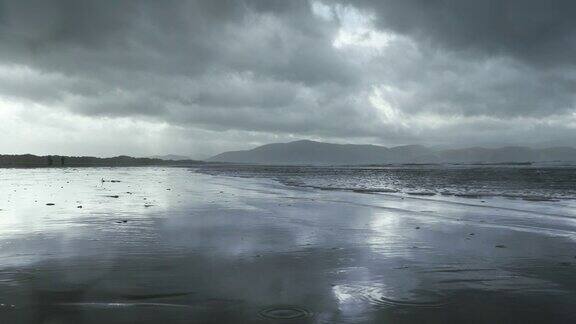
(172, 37)
(494, 58)
(382, 71)
(255, 65)
(446, 83)
(534, 30)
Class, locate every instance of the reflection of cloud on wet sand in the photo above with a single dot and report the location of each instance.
(219, 250)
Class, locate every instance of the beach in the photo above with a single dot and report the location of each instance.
(169, 244)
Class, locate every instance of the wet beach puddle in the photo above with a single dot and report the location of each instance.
(156, 296)
(378, 297)
(154, 303)
(415, 303)
(107, 305)
(15, 277)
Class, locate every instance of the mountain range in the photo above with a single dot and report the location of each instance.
(306, 152)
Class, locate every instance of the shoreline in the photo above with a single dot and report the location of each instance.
(29, 161)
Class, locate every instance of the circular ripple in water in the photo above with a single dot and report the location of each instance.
(285, 312)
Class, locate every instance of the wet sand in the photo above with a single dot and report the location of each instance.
(170, 245)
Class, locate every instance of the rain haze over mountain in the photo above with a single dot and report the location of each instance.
(316, 153)
(197, 78)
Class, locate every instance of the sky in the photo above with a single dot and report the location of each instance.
(147, 77)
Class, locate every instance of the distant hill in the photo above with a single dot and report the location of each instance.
(318, 153)
(170, 157)
(33, 161)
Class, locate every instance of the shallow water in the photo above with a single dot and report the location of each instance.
(173, 245)
(534, 182)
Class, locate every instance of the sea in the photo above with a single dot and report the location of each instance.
(530, 182)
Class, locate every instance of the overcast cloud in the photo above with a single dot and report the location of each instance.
(150, 77)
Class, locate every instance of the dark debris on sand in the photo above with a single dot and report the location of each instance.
(112, 181)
